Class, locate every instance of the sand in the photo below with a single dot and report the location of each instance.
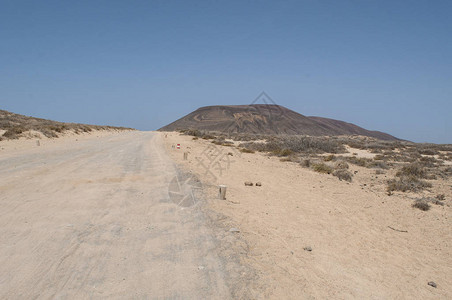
(365, 244)
(91, 217)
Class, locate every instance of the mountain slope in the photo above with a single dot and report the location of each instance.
(266, 119)
(13, 125)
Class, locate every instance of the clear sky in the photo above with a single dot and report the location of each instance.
(383, 65)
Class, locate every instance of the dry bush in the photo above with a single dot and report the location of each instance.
(329, 157)
(440, 197)
(322, 168)
(343, 174)
(377, 164)
(296, 144)
(421, 204)
(14, 132)
(412, 170)
(341, 165)
(245, 150)
(306, 163)
(407, 183)
(358, 161)
(379, 172)
(283, 152)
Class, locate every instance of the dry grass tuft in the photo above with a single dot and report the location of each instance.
(343, 174)
(421, 204)
(322, 168)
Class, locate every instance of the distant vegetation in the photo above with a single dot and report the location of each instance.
(15, 125)
(415, 164)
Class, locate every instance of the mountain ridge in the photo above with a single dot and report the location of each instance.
(267, 119)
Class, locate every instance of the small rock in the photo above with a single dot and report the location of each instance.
(234, 201)
(200, 267)
(356, 172)
(432, 284)
(248, 183)
(236, 230)
(308, 248)
(230, 153)
(258, 183)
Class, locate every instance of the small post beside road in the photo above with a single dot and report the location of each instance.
(222, 192)
(185, 155)
(38, 143)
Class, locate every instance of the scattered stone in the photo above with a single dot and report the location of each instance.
(235, 230)
(356, 172)
(230, 153)
(432, 284)
(308, 248)
(201, 267)
(248, 183)
(234, 201)
(258, 183)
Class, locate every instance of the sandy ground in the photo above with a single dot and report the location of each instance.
(365, 244)
(106, 215)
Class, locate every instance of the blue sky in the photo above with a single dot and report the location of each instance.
(383, 65)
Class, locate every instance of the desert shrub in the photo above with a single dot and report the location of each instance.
(379, 172)
(245, 150)
(195, 138)
(341, 165)
(429, 161)
(407, 183)
(329, 157)
(322, 168)
(440, 197)
(427, 152)
(296, 144)
(306, 163)
(283, 152)
(421, 204)
(358, 161)
(14, 132)
(412, 170)
(377, 164)
(343, 174)
(193, 132)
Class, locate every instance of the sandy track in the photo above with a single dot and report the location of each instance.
(93, 219)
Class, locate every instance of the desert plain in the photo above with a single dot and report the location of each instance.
(122, 214)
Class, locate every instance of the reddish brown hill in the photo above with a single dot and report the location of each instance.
(266, 119)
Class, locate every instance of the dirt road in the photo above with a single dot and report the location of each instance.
(93, 219)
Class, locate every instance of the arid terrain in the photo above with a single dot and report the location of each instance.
(310, 235)
(121, 214)
(91, 216)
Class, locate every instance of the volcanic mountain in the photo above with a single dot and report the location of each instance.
(266, 119)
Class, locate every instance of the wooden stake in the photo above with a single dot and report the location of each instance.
(185, 155)
(222, 192)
